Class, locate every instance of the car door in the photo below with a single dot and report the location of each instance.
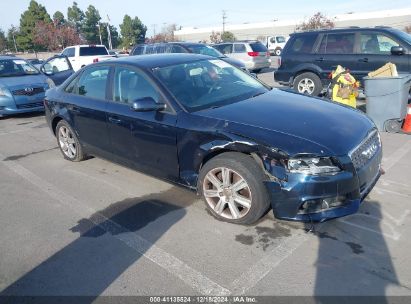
(375, 51)
(336, 49)
(85, 99)
(57, 68)
(144, 140)
(70, 53)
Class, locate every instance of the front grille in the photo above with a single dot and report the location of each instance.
(28, 91)
(30, 105)
(366, 150)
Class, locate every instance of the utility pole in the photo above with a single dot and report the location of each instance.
(110, 45)
(154, 29)
(99, 32)
(224, 18)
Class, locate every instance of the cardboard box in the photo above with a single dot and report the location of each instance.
(388, 70)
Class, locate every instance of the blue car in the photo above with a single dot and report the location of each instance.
(23, 86)
(202, 123)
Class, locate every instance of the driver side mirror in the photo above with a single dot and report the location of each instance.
(147, 104)
(397, 50)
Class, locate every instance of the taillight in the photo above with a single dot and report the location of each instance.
(95, 60)
(253, 54)
(268, 54)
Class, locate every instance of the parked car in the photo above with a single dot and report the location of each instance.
(22, 86)
(197, 121)
(309, 57)
(275, 44)
(82, 55)
(252, 53)
(183, 47)
(35, 62)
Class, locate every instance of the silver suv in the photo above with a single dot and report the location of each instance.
(252, 53)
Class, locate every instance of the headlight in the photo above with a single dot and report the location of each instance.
(4, 92)
(50, 83)
(312, 166)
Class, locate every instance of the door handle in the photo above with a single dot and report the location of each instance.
(319, 59)
(115, 120)
(363, 60)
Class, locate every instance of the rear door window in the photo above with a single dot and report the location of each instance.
(93, 50)
(93, 82)
(372, 43)
(338, 43)
(303, 44)
(69, 52)
(239, 48)
(258, 47)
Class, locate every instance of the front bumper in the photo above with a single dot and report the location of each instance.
(290, 195)
(10, 111)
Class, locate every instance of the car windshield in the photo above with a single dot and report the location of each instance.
(16, 67)
(205, 50)
(280, 39)
(208, 84)
(404, 36)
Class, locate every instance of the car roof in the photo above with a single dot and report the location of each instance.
(5, 57)
(158, 60)
(344, 29)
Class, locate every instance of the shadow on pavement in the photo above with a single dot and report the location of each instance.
(92, 262)
(353, 261)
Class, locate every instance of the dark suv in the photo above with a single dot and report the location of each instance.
(309, 57)
(183, 47)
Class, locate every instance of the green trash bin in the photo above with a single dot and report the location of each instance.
(387, 100)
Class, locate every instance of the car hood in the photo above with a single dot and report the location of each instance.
(295, 123)
(23, 81)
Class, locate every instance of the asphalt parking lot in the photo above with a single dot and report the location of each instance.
(96, 228)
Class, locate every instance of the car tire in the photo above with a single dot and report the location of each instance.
(241, 198)
(277, 52)
(308, 83)
(68, 142)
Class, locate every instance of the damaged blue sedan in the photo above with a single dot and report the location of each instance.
(199, 122)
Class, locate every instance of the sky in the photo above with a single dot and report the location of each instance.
(156, 14)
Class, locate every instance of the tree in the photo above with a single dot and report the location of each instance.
(317, 21)
(3, 41)
(75, 16)
(91, 27)
(54, 37)
(215, 37)
(132, 31)
(35, 13)
(228, 37)
(58, 18)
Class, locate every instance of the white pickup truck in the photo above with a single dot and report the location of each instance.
(82, 55)
(274, 44)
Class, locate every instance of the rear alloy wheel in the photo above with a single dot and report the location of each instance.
(68, 143)
(232, 187)
(308, 83)
(277, 52)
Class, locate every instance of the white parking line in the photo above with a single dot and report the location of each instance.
(170, 263)
(394, 236)
(394, 158)
(380, 190)
(256, 273)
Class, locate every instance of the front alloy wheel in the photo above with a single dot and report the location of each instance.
(232, 186)
(227, 193)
